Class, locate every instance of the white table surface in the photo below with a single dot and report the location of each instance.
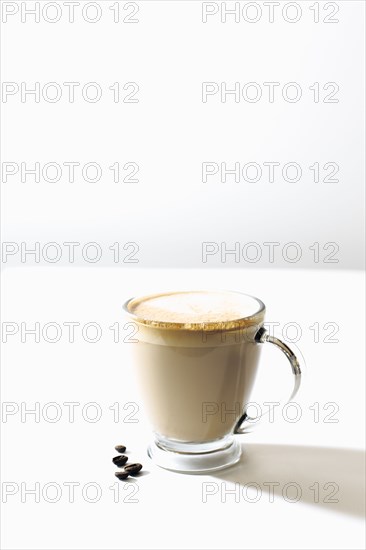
(170, 512)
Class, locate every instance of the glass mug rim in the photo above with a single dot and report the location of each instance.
(232, 324)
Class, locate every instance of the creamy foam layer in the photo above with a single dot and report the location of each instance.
(195, 307)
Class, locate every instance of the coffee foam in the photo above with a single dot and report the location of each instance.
(194, 307)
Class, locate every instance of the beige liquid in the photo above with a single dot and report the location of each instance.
(195, 383)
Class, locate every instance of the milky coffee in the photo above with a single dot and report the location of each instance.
(196, 360)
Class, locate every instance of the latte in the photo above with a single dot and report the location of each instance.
(195, 370)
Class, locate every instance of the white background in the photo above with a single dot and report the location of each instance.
(170, 132)
(168, 214)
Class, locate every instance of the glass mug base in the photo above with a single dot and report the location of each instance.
(195, 458)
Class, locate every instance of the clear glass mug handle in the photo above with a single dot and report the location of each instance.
(262, 336)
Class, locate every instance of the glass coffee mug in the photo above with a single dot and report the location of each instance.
(196, 358)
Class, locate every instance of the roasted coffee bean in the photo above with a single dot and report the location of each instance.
(133, 469)
(120, 448)
(122, 474)
(120, 460)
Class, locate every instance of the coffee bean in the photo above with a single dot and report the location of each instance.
(120, 460)
(120, 448)
(121, 475)
(133, 469)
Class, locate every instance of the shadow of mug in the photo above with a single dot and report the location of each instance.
(330, 478)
